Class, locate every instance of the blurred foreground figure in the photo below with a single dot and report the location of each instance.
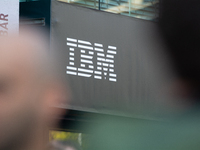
(29, 85)
(179, 25)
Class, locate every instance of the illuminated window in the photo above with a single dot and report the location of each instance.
(27, 0)
(143, 9)
(79, 138)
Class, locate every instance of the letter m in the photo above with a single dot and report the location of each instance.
(105, 62)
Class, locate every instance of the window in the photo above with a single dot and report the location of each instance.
(27, 0)
(143, 9)
(78, 139)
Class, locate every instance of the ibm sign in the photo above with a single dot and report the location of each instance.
(90, 53)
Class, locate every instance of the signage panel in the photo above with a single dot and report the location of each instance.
(9, 17)
(107, 59)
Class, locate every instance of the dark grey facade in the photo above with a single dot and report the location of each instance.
(89, 41)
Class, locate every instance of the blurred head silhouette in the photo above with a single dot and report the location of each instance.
(179, 23)
(29, 86)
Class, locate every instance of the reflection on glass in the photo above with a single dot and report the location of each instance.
(143, 9)
(79, 138)
(27, 0)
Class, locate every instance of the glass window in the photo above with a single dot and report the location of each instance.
(143, 9)
(78, 139)
(27, 0)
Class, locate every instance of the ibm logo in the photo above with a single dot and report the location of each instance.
(104, 62)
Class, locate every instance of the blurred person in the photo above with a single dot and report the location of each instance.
(179, 24)
(64, 145)
(29, 87)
